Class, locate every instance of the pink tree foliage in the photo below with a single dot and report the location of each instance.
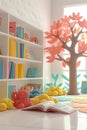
(68, 34)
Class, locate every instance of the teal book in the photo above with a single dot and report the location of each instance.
(21, 50)
(35, 72)
(29, 73)
(20, 32)
(11, 88)
(1, 69)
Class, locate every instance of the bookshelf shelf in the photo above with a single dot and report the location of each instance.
(23, 79)
(21, 60)
(3, 33)
(26, 42)
(24, 60)
(2, 56)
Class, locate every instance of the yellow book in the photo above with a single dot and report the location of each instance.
(16, 70)
(28, 53)
(21, 70)
(12, 47)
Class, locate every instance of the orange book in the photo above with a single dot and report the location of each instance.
(12, 47)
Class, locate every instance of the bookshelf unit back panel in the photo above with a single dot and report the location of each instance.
(3, 45)
(21, 54)
(4, 22)
(3, 89)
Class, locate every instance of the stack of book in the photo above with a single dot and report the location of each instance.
(16, 49)
(16, 70)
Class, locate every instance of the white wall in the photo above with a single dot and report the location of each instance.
(35, 12)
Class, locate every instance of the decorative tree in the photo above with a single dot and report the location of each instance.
(70, 34)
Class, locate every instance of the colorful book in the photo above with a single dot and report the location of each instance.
(1, 69)
(16, 71)
(21, 70)
(12, 71)
(21, 50)
(20, 32)
(50, 106)
(28, 56)
(17, 49)
(11, 88)
(29, 73)
(9, 69)
(12, 47)
(35, 72)
(25, 53)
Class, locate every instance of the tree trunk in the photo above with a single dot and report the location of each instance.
(73, 90)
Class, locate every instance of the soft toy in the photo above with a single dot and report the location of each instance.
(43, 98)
(6, 104)
(55, 91)
(33, 39)
(21, 99)
(27, 87)
(34, 93)
(3, 107)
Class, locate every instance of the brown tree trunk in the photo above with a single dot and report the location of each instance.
(73, 90)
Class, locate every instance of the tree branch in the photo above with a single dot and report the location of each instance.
(57, 36)
(62, 59)
(79, 33)
(71, 28)
(64, 43)
(81, 54)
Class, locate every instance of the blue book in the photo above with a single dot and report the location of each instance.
(1, 69)
(21, 50)
(12, 71)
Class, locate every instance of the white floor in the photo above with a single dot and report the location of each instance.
(27, 120)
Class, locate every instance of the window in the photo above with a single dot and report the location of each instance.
(82, 68)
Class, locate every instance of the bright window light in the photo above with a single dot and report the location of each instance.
(82, 69)
(82, 9)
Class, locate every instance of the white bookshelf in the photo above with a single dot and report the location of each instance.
(35, 61)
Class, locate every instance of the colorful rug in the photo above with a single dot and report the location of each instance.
(67, 98)
(80, 102)
(63, 98)
(76, 101)
(79, 97)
